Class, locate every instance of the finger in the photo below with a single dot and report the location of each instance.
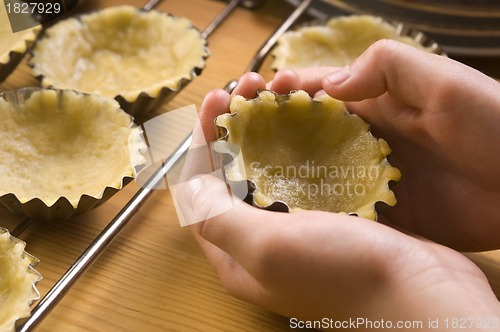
(311, 78)
(215, 103)
(284, 81)
(378, 70)
(319, 93)
(308, 79)
(405, 72)
(388, 117)
(258, 239)
(207, 196)
(249, 84)
(198, 159)
(235, 279)
(211, 200)
(230, 224)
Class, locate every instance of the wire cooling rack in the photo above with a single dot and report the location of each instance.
(114, 227)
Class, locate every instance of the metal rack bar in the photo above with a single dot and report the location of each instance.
(105, 238)
(268, 45)
(261, 54)
(151, 5)
(220, 18)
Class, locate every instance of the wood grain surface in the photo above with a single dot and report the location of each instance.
(154, 277)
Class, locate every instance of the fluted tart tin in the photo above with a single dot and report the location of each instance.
(140, 58)
(18, 280)
(342, 39)
(63, 152)
(13, 45)
(307, 154)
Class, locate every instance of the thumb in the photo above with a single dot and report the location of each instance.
(208, 197)
(403, 71)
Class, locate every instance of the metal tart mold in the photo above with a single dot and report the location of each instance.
(140, 58)
(63, 152)
(18, 280)
(13, 47)
(339, 40)
(299, 153)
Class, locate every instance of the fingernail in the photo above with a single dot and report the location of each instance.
(320, 93)
(193, 186)
(339, 76)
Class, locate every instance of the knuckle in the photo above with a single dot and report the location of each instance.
(383, 47)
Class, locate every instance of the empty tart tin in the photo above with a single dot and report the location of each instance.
(140, 58)
(341, 40)
(63, 152)
(299, 153)
(18, 280)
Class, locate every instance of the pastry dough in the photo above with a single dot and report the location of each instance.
(63, 144)
(17, 281)
(309, 154)
(337, 43)
(120, 51)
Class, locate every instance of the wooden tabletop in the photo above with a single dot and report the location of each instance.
(154, 277)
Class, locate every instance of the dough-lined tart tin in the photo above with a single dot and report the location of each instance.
(18, 280)
(140, 58)
(342, 39)
(307, 154)
(13, 46)
(462, 28)
(63, 152)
